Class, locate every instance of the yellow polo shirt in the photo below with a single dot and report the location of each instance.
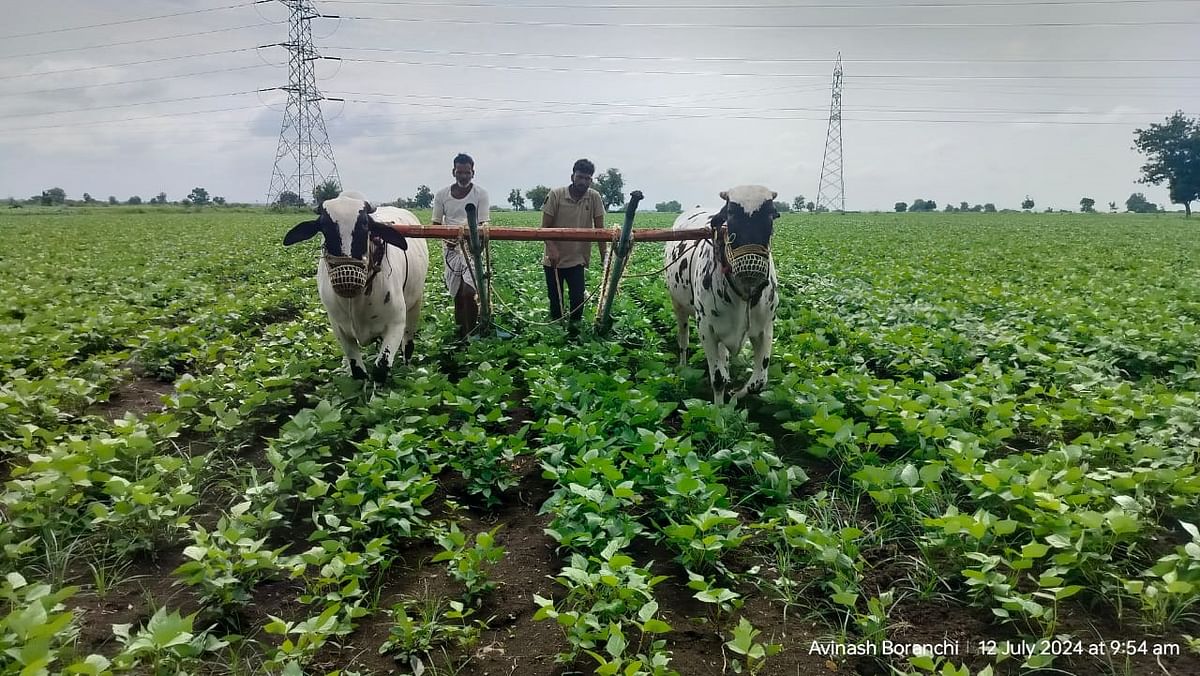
(571, 213)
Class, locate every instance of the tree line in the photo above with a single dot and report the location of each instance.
(1172, 149)
(57, 197)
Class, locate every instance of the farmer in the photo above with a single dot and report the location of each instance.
(577, 205)
(450, 208)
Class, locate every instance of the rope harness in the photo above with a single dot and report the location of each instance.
(749, 265)
(351, 276)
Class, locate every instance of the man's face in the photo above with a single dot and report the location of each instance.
(463, 173)
(580, 181)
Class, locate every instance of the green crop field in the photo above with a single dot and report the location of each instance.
(979, 440)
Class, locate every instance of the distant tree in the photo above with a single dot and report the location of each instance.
(287, 198)
(219, 201)
(198, 196)
(54, 197)
(537, 196)
(1049, 210)
(326, 190)
(989, 208)
(1027, 205)
(963, 206)
(810, 207)
(977, 208)
(783, 207)
(88, 199)
(917, 205)
(949, 208)
(672, 207)
(134, 200)
(1087, 205)
(424, 197)
(901, 207)
(1112, 207)
(1138, 204)
(161, 198)
(516, 200)
(1173, 151)
(799, 203)
(112, 199)
(610, 186)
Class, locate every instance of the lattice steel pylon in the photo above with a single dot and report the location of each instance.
(831, 193)
(303, 158)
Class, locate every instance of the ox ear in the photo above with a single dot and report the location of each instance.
(774, 195)
(301, 232)
(382, 231)
(725, 195)
(368, 208)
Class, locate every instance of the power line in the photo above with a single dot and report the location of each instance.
(723, 116)
(458, 102)
(808, 26)
(141, 40)
(76, 125)
(145, 79)
(129, 21)
(140, 103)
(848, 5)
(624, 71)
(127, 63)
(738, 59)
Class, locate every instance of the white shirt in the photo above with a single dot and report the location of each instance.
(448, 210)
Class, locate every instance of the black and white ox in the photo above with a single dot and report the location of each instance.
(729, 283)
(370, 278)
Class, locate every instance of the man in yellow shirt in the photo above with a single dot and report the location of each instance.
(577, 205)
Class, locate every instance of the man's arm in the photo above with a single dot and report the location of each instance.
(439, 209)
(599, 224)
(549, 208)
(484, 208)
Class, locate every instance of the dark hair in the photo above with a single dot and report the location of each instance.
(583, 167)
(463, 158)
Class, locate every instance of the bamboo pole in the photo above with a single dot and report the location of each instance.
(617, 265)
(482, 282)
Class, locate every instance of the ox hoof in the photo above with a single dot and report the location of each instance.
(380, 373)
(357, 371)
(408, 352)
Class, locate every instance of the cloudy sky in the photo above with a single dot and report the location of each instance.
(947, 100)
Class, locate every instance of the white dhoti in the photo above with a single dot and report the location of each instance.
(458, 268)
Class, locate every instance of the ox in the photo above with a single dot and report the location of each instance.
(371, 290)
(729, 283)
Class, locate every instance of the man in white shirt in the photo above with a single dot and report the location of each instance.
(450, 208)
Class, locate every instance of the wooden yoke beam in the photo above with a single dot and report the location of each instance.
(549, 234)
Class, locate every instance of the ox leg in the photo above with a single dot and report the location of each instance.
(353, 360)
(718, 362)
(392, 338)
(410, 329)
(761, 342)
(683, 317)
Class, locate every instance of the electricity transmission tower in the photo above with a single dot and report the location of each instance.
(303, 158)
(831, 193)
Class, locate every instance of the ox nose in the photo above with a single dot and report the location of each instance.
(348, 280)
